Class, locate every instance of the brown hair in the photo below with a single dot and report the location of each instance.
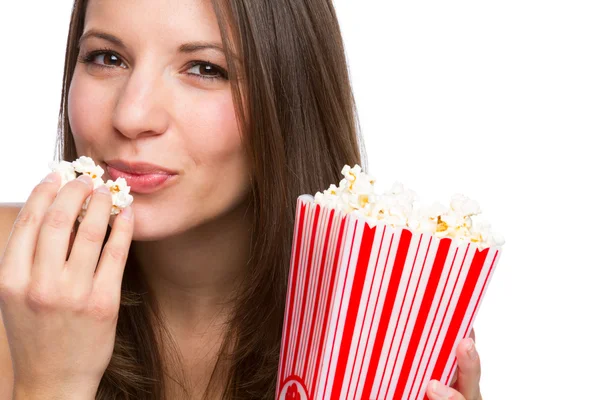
(298, 119)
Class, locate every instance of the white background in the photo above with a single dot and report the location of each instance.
(497, 100)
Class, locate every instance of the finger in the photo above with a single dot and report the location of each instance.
(109, 273)
(88, 242)
(472, 334)
(72, 238)
(438, 391)
(57, 224)
(454, 377)
(20, 249)
(469, 369)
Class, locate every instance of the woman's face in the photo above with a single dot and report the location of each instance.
(148, 100)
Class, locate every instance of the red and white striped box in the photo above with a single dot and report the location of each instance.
(374, 312)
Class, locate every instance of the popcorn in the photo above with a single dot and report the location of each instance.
(356, 194)
(85, 165)
(65, 169)
(354, 283)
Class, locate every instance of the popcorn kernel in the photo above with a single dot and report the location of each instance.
(441, 225)
(85, 165)
(356, 194)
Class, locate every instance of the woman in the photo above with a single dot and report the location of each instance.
(245, 104)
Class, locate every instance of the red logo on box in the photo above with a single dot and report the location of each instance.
(293, 389)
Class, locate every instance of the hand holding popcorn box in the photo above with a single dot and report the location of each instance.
(380, 292)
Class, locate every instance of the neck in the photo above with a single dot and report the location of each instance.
(192, 276)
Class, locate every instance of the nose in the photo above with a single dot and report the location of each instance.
(141, 107)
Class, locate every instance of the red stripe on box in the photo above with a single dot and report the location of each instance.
(424, 311)
(292, 282)
(445, 382)
(353, 305)
(306, 283)
(483, 288)
(431, 356)
(375, 310)
(388, 305)
(412, 303)
(485, 283)
(459, 312)
(327, 309)
(318, 293)
(337, 322)
(412, 269)
(366, 308)
(453, 365)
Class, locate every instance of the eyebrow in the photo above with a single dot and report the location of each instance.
(184, 48)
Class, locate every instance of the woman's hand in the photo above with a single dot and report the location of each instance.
(60, 314)
(465, 383)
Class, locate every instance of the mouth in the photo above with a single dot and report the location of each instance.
(142, 183)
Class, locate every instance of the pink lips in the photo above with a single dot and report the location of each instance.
(141, 183)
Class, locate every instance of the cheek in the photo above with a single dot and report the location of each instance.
(215, 146)
(214, 136)
(88, 107)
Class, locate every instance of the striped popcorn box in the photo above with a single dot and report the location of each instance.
(373, 311)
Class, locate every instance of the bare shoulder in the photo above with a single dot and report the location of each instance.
(8, 214)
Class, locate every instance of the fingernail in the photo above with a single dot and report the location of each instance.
(86, 179)
(126, 213)
(440, 390)
(51, 177)
(471, 351)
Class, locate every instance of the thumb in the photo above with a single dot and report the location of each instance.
(469, 369)
(438, 391)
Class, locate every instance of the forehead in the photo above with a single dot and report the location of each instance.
(169, 22)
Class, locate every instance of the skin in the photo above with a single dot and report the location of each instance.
(147, 102)
(464, 385)
(150, 103)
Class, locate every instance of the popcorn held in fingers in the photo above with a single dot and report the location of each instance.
(65, 169)
(396, 207)
(85, 165)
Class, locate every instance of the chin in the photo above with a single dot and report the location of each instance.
(148, 229)
(154, 223)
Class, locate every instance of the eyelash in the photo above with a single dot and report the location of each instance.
(89, 57)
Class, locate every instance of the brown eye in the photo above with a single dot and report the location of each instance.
(110, 59)
(207, 70)
(104, 59)
(107, 59)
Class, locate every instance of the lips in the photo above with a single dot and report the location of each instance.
(142, 182)
(139, 168)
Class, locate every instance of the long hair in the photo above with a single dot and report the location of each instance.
(297, 114)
